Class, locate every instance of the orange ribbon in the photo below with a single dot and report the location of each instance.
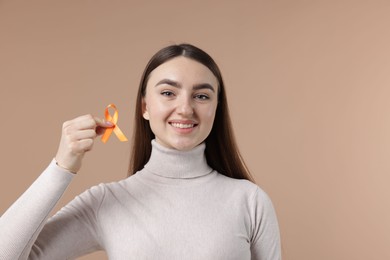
(115, 128)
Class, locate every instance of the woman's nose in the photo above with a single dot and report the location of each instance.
(185, 107)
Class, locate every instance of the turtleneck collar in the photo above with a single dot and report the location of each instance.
(171, 163)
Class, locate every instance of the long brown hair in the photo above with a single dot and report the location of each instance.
(221, 152)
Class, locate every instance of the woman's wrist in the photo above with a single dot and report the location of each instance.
(65, 168)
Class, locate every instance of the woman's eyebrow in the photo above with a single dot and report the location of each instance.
(203, 86)
(169, 82)
(178, 85)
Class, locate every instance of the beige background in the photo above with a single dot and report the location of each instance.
(307, 81)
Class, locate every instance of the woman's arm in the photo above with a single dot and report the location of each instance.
(73, 231)
(265, 242)
(22, 222)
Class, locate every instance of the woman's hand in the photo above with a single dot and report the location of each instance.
(77, 137)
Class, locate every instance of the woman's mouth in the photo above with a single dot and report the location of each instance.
(182, 126)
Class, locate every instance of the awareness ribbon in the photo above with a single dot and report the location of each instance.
(115, 128)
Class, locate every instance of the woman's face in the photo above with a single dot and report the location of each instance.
(180, 103)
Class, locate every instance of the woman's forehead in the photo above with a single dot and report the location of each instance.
(183, 69)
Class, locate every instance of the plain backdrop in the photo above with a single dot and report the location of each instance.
(308, 85)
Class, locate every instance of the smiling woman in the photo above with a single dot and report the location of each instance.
(180, 103)
(188, 196)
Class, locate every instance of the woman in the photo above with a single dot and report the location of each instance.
(188, 196)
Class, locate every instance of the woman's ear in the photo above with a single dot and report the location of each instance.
(145, 112)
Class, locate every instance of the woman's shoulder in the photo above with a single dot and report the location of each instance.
(240, 185)
(235, 181)
(104, 189)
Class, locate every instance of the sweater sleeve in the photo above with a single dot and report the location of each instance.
(73, 231)
(22, 222)
(27, 233)
(265, 241)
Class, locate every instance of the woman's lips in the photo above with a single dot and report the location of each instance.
(183, 126)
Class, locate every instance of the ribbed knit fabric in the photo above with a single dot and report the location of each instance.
(177, 207)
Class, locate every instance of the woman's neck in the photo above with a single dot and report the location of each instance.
(172, 163)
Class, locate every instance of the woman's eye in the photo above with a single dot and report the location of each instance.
(167, 93)
(202, 96)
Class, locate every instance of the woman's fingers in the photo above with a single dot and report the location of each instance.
(77, 137)
(103, 123)
(82, 122)
(86, 122)
(82, 146)
(83, 134)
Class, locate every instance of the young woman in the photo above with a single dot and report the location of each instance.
(188, 196)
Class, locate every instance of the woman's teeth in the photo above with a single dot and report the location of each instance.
(178, 125)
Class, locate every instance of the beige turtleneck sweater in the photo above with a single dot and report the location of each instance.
(177, 207)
